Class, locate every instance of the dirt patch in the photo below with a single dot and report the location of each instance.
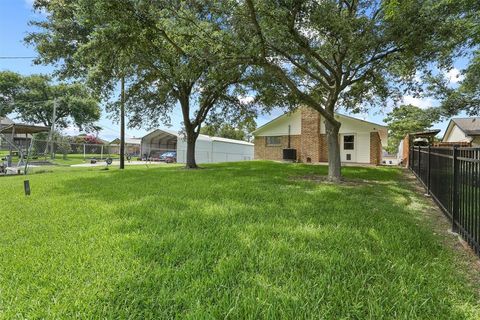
(441, 225)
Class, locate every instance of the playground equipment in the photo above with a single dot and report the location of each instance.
(18, 145)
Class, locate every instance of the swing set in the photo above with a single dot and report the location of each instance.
(18, 146)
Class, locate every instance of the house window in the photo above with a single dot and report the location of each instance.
(348, 142)
(273, 141)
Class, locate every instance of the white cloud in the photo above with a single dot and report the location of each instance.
(422, 103)
(454, 75)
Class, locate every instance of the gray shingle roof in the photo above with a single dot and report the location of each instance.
(471, 126)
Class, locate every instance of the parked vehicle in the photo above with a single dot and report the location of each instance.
(154, 156)
(169, 157)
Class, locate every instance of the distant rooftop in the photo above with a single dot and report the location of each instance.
(20, 128)
(201, 137)
(471, 126)
(433, 132)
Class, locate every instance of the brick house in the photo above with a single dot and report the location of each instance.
(360, 141)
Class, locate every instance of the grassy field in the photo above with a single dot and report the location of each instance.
(250, 240)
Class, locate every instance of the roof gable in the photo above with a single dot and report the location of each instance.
(469, 126)
(278, 121)
(201, 137)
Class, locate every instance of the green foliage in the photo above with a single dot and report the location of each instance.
(342, 53)
(465, 96)
(8, 89)
(225, 131)
(408, 119)
(351, 54)
(205, 55)
(32, 97)
(237, 241)
(164, 58)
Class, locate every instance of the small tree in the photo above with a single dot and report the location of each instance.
(225, 131)
(407, 119)
(32, 99)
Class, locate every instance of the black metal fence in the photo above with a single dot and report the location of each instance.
(451, 176)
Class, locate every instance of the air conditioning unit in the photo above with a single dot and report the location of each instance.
(290, 154)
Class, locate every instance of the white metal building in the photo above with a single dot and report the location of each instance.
(207, 149)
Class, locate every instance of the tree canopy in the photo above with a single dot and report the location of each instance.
(407, 119)
(165, 61)
(31, 99)
(464, 94)
(207, 55)
(228, 131)
(350, 54)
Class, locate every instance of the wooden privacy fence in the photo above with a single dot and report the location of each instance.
(451, 176)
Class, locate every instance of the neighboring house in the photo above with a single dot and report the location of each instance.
(207, 149)
(304, 129)
(132, 146)
(463, 130)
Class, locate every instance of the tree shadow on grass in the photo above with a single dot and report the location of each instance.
(245, 241)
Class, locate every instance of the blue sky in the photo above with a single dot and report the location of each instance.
(14, 18)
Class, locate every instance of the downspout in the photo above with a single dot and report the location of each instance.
(289, 137)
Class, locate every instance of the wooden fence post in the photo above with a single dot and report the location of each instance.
(455, 190)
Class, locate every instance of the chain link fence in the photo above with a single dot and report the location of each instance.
(58, 152)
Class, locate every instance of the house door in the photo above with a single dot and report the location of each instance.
(348, 148)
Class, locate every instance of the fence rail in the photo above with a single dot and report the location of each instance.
(451, 175)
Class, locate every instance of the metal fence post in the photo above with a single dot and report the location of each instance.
(419, 160)
(412, 158)
(428, 170)
(455, 190)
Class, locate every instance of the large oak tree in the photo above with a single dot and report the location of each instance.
(343, 53)
(168, 63)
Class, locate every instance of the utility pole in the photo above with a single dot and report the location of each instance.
(122, 124)
(52, 131)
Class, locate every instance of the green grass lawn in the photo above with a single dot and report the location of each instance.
(243, 241)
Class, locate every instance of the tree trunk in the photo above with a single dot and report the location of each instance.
(122, 125)
(191, 141)
(334, 162)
